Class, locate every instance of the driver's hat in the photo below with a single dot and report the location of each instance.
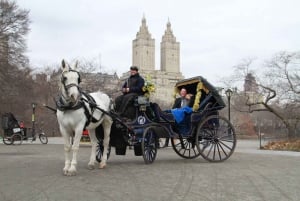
(134, 68)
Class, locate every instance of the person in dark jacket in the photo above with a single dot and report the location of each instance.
(131, 88)
(185, 99)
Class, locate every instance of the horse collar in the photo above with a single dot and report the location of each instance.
(63, 105)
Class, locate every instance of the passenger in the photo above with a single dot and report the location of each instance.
(184, 100)
(131, 88)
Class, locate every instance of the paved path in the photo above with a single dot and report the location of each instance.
(33, 172)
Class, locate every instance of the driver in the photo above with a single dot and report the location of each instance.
(132, 87)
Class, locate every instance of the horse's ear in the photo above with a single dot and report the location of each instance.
(63, 63)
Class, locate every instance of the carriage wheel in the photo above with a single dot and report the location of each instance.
(185, 147)
(17, 139)
(99, 150)
(215, 138)
(43, 138)
(149, 145)
(7, 140)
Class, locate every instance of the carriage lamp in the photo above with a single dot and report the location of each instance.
(228, 93)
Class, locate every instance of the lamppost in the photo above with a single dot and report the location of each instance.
(33, 119)
(228, 93)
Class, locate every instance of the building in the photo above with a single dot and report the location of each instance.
(143, 56)
(250, 84)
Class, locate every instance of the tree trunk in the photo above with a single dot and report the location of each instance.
(291, 132)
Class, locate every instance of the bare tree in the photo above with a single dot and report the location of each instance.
(14, 26)
(15, 81)
(278, 91)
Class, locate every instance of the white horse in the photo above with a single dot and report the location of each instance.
(77, 110)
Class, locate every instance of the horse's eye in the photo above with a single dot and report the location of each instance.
(63, 79)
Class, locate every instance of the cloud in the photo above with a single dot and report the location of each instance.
(213, 35)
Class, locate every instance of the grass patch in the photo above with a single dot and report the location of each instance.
(285, 145)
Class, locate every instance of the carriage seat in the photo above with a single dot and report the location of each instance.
(160, 115)
(166, 116)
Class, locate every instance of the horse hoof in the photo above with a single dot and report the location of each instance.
(102, 166)
(66, 171)
(71, 173)
(91, 166)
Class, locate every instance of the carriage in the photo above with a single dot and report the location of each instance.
(203, 132)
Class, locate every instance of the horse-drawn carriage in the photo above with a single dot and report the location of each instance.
(203, 132)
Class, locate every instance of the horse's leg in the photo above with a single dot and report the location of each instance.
(107, 122)
(92, 134)
(67, 149)
(75, 147)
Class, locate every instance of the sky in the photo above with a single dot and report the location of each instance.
(214, 35)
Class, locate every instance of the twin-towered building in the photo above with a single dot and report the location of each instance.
(143, 56)
(143, 50)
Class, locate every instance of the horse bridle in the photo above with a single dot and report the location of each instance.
(67, 87)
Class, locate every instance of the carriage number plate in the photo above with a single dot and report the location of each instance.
(15, 130)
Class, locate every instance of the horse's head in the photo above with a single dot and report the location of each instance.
(70, 80)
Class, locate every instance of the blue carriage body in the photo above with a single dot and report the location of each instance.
(151, 122)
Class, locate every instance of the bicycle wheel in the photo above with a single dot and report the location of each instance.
(17, 139)
(215, 138)
(7, 140)
(43, 138)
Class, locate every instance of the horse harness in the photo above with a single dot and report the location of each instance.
(85, 98)
(63, 105)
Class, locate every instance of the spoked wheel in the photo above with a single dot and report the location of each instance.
(43, 138)
(7, 140)
(17, 139)
(185, 147)
(100, 149)
(215, 138)
(149, 145)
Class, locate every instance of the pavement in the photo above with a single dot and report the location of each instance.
(33, 172)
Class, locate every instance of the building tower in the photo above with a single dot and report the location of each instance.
(143, 56)
(169, 52)
(143, 49)
(250, 84)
